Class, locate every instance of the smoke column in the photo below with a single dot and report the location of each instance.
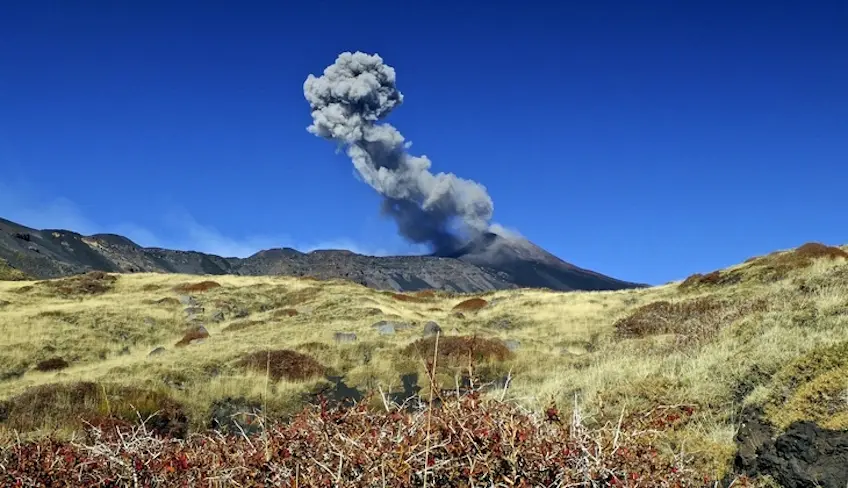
(347, 102)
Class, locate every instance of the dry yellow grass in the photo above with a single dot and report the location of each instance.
(569, 350)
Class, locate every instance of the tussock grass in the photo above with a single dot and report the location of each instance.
(768, 341)
(283, 364)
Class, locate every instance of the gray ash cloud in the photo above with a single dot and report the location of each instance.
(348, 102)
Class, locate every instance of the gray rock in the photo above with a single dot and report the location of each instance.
(512, 344)
(344, 337)
(218, 316)
(241, 313)
(385, 328)
(158, 351)
(193, 310)
(202, 330)
(188, 300)
(390, 327)
(431, 328)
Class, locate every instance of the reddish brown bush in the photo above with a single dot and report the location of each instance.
(52, 364)
(771, 267)
(698, 317)
(91, 283)
(283, 364)
(407, 298)
(199, 333)
(460, 349)
(471, 305)
(285, 312)
(464, 442)
(199, 287)
(715, 278)
(816, 250)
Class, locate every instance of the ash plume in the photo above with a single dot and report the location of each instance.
(347, 102)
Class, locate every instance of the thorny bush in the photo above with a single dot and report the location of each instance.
(467, 441)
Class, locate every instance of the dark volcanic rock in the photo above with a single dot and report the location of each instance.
(490, 263)
(431, 328)
(805, 456)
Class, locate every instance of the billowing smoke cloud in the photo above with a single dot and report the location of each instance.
(347, 102)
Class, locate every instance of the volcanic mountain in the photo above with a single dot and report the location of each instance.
(491, 262)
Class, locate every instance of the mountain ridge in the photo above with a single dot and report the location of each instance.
(493, 262)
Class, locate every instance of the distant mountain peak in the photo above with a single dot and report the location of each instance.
(491, 261)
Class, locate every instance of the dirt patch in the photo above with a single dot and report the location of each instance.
(460, 349)
(470, 305)
(805, 455)
(283, 364)
(52, 364)
(241, 325)
(698, 317)
(285, 312)
(91, 283)
(71, 405)
(197, 334)
(425, 294)
(198, 287)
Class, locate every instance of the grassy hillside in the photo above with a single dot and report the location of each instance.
(8, 273)
(769, 335)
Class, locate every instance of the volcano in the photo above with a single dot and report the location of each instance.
(530, 266)
(491, 262)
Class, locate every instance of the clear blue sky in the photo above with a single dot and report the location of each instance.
(645, 140)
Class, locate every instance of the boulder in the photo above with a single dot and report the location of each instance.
(158, 351)
(188, 300)
(431, 328)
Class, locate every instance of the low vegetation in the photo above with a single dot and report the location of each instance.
(668, 371)
(8, 273)
(283, 364)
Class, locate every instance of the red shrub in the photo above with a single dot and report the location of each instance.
(471, 304)
(464, 442)
(197, 287)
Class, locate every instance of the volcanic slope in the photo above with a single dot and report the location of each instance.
(761, 344)
(55, 253)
